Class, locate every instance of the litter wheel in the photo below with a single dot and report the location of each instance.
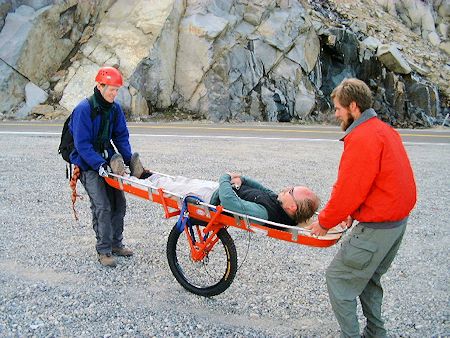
(207, 277)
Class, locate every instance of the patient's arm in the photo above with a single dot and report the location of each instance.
(254, 184)
(230, 201)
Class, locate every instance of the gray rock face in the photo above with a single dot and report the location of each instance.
(121, 38)
(225, 60)
(35, 41)
(391, 57)
(12, 89)
(421, 16)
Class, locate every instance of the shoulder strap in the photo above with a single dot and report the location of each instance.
(94, 112)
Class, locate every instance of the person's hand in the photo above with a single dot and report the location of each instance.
(316, 229)
(347, 223)
(235, 180)
(103, 170)
(234, 175)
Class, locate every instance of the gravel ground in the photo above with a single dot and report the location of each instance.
(51, 284)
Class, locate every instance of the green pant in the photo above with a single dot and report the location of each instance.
(365, 255)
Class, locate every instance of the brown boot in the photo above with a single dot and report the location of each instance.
(122, 252)
(136, 166)
(117, 165)
(107, 260)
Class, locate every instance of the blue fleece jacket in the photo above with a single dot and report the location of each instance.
(85, 131)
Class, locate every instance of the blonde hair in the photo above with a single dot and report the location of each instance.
(306, 207)
(353, 90)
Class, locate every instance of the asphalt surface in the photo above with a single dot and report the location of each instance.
(238, 131)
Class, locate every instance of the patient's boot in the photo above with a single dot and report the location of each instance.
(117, 165)
(136, 167)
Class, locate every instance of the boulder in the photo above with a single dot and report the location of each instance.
(283, 26)
(371, 43)
(255, 109)
(15, 33)
(272, 101)
(33, 96)
(306, 50)
(304, 103)
(42, 109)
(423, 95)
(253, 14)
(434, 38)
(391, 57)
(445, 47)
(12, 89)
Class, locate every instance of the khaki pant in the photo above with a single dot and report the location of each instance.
(365, 255)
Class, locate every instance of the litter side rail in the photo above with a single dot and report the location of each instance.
(172, 204)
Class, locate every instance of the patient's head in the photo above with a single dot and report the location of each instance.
(299, 202)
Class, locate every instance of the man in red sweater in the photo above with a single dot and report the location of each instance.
(376, 187)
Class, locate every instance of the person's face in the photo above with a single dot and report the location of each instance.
(109, 93)
(288, 198)
(343, 115)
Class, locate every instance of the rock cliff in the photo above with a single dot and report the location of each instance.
(241, 60)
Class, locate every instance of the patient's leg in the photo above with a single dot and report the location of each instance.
(184, 186)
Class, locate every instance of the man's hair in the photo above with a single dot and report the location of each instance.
(350, 90)
(306, 207)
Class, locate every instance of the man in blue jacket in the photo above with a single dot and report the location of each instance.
(93, 130)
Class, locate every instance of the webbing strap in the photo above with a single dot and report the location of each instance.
(73, 186)
(183, 220)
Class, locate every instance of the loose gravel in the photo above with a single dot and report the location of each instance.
(51, 284)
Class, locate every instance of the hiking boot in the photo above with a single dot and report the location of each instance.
(107, 260)
(117, 164)
(136, 167)
(122, 251)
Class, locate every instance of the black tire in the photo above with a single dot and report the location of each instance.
(209, 277)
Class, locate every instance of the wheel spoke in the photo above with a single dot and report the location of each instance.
(209, 276)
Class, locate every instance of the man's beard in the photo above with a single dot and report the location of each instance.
(346, 124)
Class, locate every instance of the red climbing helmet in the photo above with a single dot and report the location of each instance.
(109, 76)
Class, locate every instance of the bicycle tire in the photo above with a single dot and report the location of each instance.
(200, 281)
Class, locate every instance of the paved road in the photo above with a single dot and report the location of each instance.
(232, 131)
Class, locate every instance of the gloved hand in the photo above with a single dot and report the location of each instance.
(103, 170)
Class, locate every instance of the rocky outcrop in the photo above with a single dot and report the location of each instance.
(429, 19)
(122, 38)
(260, 60)
(35, 43)
(235, 61)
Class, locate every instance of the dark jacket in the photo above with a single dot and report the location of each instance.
(252, 199)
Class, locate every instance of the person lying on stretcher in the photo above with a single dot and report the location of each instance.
(241, 194)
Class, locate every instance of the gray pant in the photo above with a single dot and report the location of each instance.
(108, 208)
(365, 255)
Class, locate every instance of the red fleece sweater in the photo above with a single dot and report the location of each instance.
(375, 181)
